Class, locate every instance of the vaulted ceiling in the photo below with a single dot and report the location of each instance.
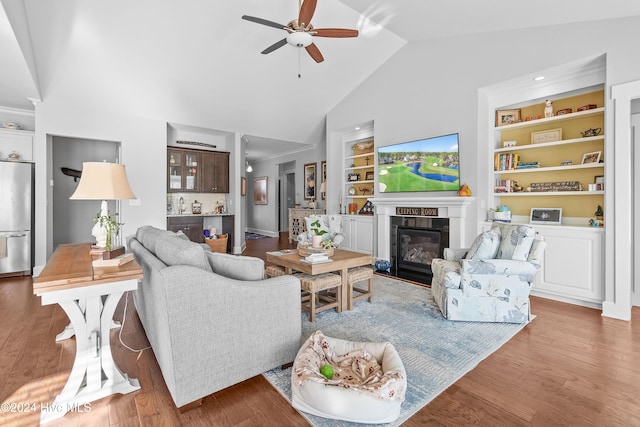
(198, 63)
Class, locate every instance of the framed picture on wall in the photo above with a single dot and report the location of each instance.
(260, 191)
(323, 184)
(310, 181)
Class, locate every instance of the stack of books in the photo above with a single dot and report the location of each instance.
(316, 258)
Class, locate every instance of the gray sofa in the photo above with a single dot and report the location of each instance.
(211, 318)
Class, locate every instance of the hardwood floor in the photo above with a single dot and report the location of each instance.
(569, 367)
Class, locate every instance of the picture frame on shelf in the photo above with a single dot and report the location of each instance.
(353, 177)
(369, 176)
(599, 181)
(593, 157)
(323, 178)
(507, 117)
(552, 216)
(550, 135)
(310, 181)
(509, 144)
(566, 163)
(260, 196)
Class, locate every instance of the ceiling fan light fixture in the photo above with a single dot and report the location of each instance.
(299, 39)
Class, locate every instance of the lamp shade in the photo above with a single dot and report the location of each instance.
(323, 187)
(103, 181)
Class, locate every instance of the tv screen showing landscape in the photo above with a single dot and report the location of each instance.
(430, 164)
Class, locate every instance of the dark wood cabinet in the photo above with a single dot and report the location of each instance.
(191, 226)
(197, 171)
(183, 170)
(214, 172)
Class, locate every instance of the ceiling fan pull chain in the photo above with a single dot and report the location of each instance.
(299, 63)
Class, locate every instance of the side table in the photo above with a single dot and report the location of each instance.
(89, 298)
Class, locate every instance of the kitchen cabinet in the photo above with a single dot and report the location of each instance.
(183, 170)
(189, 225)
(214, 172)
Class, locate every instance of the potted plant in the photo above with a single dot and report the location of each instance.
(316, 239)
(110, 225)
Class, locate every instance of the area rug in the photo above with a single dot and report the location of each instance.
(253, 236)
(435, 352)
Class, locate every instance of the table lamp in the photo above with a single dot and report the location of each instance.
(103, 181)
(323, 190)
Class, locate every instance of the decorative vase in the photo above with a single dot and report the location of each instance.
(316, 241)
(383, 266)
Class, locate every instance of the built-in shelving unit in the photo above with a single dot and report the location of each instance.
(359, 161)
(561, 160)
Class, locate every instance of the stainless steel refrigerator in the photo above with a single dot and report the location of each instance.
(16, 218)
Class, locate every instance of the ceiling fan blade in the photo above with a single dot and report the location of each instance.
(314, 52)
(276, 45)
(306, 12)
(334, 32)
(264, 22)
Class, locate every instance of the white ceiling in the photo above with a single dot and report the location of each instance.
(197, 62)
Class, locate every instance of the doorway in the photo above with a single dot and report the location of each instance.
(73, 219)
(286, 193)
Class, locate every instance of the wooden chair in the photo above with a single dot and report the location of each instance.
(355, 275)
(311, 288)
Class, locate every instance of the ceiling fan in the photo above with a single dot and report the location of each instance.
(301, 32)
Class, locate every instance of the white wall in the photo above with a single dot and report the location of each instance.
(144, 144)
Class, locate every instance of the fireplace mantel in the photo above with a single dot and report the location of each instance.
(454, 208)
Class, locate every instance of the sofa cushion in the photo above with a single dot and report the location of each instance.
(236, 267)
(485, 246)
(516, 242)
(148, 236)
(174, 250)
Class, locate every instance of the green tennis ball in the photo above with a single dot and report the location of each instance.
(327, 371)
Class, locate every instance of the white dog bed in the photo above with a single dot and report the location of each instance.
(368, 385)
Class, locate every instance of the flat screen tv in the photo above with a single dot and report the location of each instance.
(429, 164)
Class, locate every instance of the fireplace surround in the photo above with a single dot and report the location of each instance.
(453, 208)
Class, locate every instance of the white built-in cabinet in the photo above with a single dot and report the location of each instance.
(573, 267)
(556, 152)
(18, 141)
(358, 233)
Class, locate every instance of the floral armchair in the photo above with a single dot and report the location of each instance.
(328, 226)
(491, 281)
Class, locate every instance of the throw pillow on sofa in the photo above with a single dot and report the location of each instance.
(174, 250)
(236, 267)
(516, 242)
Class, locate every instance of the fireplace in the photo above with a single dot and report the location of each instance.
(415, 248)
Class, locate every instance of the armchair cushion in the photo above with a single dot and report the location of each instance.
(446, 272)
(516, 242)
(485, 246)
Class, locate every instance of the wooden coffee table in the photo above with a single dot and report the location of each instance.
(89, 296)
(343, 260)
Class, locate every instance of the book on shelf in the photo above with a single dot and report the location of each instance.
(506, 161)
(113, 262)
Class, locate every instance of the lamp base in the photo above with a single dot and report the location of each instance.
(115, 252)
